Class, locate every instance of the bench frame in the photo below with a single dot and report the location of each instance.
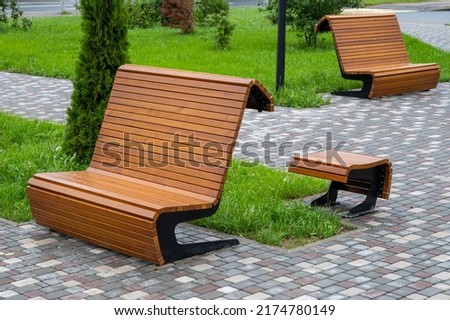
(370, 49)
(361, 174)
(171, 250)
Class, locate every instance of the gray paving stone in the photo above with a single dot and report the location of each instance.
(398, 251)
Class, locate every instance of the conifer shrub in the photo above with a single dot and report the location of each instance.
(104, 47)
(203, 9)
(16, 15)
(215, 14)
(143, 14)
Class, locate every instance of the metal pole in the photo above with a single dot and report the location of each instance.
(281, 44)
(63, 6)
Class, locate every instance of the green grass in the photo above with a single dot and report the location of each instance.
(26, 147)
(258, 202)
(263, 204)
(373, 2)
(50, 48)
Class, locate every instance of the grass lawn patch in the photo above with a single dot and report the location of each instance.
(258, 202)
(374, 2)
(264, 204)
(50, 48)
(27, 147)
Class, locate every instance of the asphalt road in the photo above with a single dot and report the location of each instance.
(39, 7)
(427, 12)
(33, 8)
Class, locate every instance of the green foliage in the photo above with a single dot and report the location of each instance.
(104, 48)
(16, 15)
(223, 30)
(3, 15)
(27, 147)
(303, 14)
(214, 13)
(205, 8)
(144, 14)
(178, 14)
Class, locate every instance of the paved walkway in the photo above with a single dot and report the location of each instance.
(400, 252)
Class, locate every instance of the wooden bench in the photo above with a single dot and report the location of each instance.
(370, 48)
(352, 172)
(161, 158)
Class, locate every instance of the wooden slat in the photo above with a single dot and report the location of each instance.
(145, 183)
(147, 122)
(117, 152)
(136, 145)
(124, 193)
(167, 89)
(319, 174)
(141, 174)
(177, 103)
(117, 128)
(190, 75)
(338, 165)
(188, 163)
(147, 94)
(185, 82)
(176, 113)
(72, 217)
(184, 167)
(107, 216)
(38, 181)
(157, 175)
(103, 239)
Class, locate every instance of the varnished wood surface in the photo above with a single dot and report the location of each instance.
(337, 165)
(165, 146)
(373, 45)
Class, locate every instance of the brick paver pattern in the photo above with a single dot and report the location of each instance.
(400, 252)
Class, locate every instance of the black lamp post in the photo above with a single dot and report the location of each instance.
(281, 44)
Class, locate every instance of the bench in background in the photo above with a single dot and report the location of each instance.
(161, 158)
(370, 48)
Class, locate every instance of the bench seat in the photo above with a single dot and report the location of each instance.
(370, 48)
(347, 171)
(161, 158)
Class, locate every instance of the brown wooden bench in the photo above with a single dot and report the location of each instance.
(352, 172)
(161, 158)
(370, 48)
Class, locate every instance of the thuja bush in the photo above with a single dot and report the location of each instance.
(214, 13)
(178, 14)
(144, 13)
(303, 14)
(203, 9)
(16, 15)
(104, 47)
(223, 30)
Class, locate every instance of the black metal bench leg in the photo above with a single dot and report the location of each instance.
(171, 249)
(365, 90)
(375, 176)
(328, 198)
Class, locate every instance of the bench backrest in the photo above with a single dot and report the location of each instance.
(363, 41)
(175, 128)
